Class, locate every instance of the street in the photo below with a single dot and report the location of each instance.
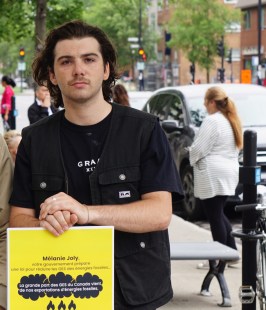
(23, 101)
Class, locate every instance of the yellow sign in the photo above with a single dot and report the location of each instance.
(70, 272)
(246, 76)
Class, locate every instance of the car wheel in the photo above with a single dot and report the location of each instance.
(190, 205)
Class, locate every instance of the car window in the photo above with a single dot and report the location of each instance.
(176, 109)
(197, 110)
(159, 106)
(163, 104)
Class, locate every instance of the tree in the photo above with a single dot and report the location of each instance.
(120, 20)
(24, 24)
(196, 27)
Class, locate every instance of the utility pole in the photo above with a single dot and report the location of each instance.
(259, 41)
(140, 22)
(141, 70)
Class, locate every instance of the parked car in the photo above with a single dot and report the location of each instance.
(181, 112)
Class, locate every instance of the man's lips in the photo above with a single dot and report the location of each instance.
(77, 83)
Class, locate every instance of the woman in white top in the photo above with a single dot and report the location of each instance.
(214, 157)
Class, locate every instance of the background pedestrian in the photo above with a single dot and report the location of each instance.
(214, 157)
(42, 106)
(6, 101)
(120, 95)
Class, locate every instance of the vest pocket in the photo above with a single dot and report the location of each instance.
(145, 275)
(42, 182)
(44, 186)
(120, 185)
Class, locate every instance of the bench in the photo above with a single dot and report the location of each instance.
(212, 251)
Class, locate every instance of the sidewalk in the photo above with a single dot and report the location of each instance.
(187, 279)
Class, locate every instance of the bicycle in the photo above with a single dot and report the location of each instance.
(247, 294)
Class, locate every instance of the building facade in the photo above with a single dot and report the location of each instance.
(253, 39)
(172, 66)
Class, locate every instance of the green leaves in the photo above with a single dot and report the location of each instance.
(197, 25)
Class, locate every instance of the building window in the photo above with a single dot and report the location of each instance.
(263, 18)
(247, 23)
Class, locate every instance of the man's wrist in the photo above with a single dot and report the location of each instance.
(88, 214)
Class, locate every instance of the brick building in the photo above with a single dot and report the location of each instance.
(253, 39)
(174, 68)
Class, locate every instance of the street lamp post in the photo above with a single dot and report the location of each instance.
(259, 41)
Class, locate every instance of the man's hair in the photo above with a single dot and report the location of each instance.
(44, 61)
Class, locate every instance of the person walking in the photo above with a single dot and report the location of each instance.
(214, 157)
(42, 106)
(97, 152)
(6, 177)
(6, 101)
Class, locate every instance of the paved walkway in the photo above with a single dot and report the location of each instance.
(187, 279)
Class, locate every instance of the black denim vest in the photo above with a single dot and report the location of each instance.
(142, 261)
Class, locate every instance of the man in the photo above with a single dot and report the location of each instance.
(6, 176)
(105, 164)
(42, 106)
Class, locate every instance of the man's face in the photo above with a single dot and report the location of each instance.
(42, 92)
(79, 70)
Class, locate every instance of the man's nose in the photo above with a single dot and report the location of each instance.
(78, 68)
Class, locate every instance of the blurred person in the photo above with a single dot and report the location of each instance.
(42, 106)
(120, 95)
(214, 157)
(6, 101)
(128, 153)
(2, 130)
(6, 175)
(141, 80)
(12, 138)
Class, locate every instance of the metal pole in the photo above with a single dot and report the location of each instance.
(222, 65)
(249, 218)
(140, 22)
(259, 40)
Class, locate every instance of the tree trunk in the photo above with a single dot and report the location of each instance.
(208, 76)
(40, 24)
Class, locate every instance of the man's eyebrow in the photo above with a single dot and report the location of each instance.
(82, 56)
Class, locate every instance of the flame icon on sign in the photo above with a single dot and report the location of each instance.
(72, 306)
(50, 306)
(62, 306)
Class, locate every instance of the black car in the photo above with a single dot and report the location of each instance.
(181, 112)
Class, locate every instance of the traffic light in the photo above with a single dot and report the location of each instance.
(21, 54)
(142, 54)
(220, 48)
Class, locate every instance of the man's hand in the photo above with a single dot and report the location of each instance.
(47, 101)
(59, 222)
(60, 212)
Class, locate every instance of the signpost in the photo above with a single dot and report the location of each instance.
(246, 76)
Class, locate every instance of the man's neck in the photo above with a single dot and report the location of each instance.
(87, 114)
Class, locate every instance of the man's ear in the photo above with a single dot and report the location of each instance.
(106, 72)
(52, 77)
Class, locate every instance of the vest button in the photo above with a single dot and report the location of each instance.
(122, 177)
(43, 185)
(142, 245)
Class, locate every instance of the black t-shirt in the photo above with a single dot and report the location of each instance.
(82, 147)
